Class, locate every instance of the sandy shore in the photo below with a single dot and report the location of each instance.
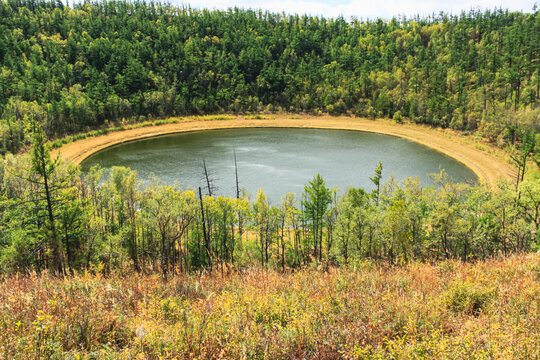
(487, 162)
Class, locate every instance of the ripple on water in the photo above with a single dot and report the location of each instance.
(279, 160)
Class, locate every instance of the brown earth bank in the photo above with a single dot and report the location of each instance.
(489, 163)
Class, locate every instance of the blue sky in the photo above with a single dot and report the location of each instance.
(363, 8)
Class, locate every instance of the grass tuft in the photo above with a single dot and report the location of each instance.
(468, 298)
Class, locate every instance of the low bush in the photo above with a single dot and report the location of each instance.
(468, 298)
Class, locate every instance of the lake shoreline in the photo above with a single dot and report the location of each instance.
(477, 156)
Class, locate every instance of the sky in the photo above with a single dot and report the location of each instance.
(363, 9)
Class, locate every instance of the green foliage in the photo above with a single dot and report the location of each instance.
(376, 180)
(80, 67)
(316, 199)
(17, 253)
(55, 217)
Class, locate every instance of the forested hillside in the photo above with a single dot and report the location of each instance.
(54, 217)
(79, 67)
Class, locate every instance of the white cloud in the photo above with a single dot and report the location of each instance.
(363, 8)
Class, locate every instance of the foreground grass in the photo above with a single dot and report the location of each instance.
(448, 310)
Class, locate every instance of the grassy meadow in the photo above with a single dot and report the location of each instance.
(444, 310)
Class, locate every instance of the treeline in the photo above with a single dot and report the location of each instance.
(54, 217)
(80, 67)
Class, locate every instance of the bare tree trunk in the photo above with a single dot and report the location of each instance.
(207, 177)
(283, 245)
(236, 175)
(206, 238)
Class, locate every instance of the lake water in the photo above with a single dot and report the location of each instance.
(278, 160)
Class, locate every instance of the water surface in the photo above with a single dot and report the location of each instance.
(278, 160)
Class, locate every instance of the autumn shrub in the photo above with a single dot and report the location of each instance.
(468, 298)
(258, 117)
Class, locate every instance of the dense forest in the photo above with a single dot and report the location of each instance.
(84, 66)
(55, 217)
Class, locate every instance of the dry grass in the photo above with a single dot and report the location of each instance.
(449, 310)
(488, 162)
